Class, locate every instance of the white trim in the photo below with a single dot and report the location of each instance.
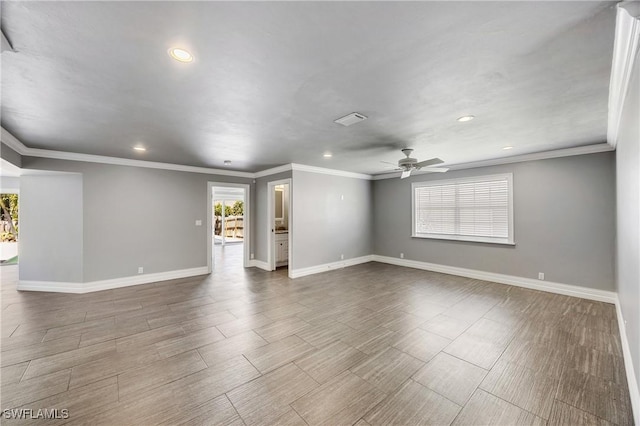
(291, 229)
(13, 143)
(302, 272)
(51, 286)
(548, 286)
(87, 287)
(332, 172)
(271, 236)
(634, 393)
(273, 171)
(467, 238)
(510, 240)
(625, 48)
(246, 234)
(260, 265)
(544, 155)
(132, 163)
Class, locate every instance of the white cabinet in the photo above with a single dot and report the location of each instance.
(282, 249)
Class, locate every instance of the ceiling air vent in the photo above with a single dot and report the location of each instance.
(353, 118)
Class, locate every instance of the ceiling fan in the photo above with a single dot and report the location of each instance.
(408, 164)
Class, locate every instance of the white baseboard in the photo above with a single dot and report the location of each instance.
(634, 393)
(548, 286)
(87, 287)
(259, 264)
(301, 272)
(51, 286)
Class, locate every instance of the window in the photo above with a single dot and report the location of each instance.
(469, 209)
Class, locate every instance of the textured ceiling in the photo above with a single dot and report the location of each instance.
(268, 79)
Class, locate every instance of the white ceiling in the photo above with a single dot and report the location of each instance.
(268, 79)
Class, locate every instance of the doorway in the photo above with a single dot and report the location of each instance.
(9, 227)
(228, 226)
(279, 219)
(9, 208)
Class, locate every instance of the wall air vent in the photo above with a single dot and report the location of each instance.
(353, 118)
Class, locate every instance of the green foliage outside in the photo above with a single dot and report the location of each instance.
(9, 213)
(236, 210)
(12, 261)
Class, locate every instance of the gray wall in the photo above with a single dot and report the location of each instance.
(628, 215)
(51, 223)
(10, 155)
(138, 217)
(324, 226)
(564, 220)
(262, 215)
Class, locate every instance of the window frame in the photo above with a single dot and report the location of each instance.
(510, 240)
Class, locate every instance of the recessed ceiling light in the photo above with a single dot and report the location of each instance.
(466, 118)
(507, 147)
(227, 162)
(180, 54)
(140, 148)
(327, 155)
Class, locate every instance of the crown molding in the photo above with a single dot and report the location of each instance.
(13, 143)
(44, 153)
(625, 50)
(544, 155)
(332, 172)
(273, 171)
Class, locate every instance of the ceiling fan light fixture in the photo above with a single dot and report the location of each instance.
(466, 118)
(408, 164)
(180, 55)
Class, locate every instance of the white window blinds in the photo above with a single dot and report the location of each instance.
(475, 209)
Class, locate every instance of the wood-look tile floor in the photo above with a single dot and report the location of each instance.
(367, 345)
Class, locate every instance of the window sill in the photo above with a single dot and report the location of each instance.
(465, 239)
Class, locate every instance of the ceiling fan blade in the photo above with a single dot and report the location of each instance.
(435, 170)
(388, 162)
(430, 162)
(405, 174)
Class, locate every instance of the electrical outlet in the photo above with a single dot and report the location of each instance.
(342, 257)
(198, 222)
(401, 255)
(140, 270)
(541, 276)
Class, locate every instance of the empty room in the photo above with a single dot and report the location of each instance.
(323, 212)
